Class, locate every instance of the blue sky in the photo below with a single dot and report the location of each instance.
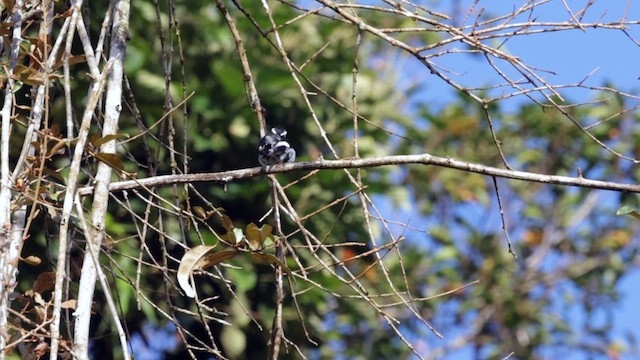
(572, 55)
(609, 55)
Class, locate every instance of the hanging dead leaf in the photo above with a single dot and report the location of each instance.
(40, 312)
(268, 259)
(198, 258)
(69, 304)
(44, 282)
(226, 222)
(99, 141)
(73, 59)
(37, 298)
(187, 265)
(215, 258)
(112, 160)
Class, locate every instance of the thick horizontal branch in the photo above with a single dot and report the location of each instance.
(426, 159)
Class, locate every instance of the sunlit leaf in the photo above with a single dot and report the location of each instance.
(628, 210)
(187, 264)
(199, 258)
(199, 211)
(234, 341)
(69, 304)
(32, 260)
(446, 253)
(257, 235)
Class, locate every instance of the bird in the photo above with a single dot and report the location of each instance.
(274, 149)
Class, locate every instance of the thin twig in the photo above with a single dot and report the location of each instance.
(504, 222)
(250, 87)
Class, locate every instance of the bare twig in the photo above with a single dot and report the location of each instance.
(504, 222)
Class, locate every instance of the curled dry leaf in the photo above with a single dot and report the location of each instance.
(69, 304)
(44, 282)
(32, 260)
(199, 258)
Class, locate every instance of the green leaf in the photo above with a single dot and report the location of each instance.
(244, 279)
(628, 210)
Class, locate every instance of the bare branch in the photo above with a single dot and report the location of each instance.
(95, 94)
(10, 237)
(113, 106)
(424, 159)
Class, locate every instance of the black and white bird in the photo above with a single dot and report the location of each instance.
(274, 149)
